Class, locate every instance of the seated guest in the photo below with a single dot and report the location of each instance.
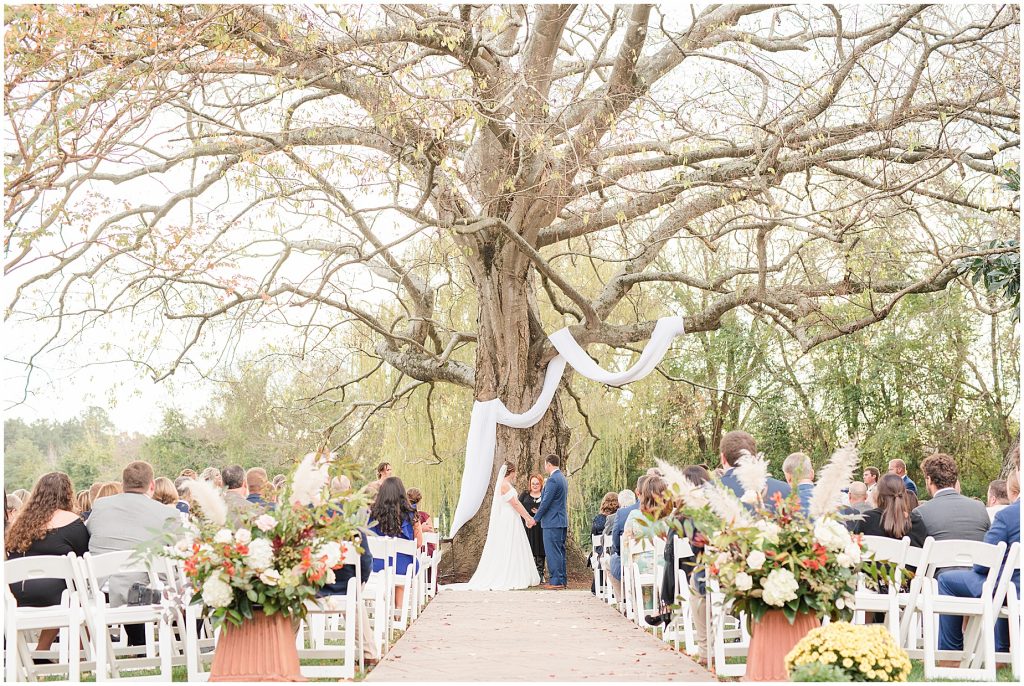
(967, 583)
(184, 495)
(415, 495)
(278, 481)
(799, 473)
(256, 482)
(950, 515)
(48, 525)
(858, 498)
(82, 504)
(615, 559)
(106, 490)
(609, 505)
(344, 574)
(652, 504)
(393, 515)
(12, 506)
(165, 492)
(731, 448)
(997, 497)
(893, 518)
(124, 521)
(899, 468)
(340, 485)
(236, 494)
(212, 475)
(624, 498)
(188, 473)
(22, 495)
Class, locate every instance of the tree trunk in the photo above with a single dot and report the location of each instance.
(508, 366)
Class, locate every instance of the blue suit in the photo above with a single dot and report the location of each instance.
(553, 518)
(615, 562)
(967, 583)
(773, 486)
(805, 492)
(909, 484)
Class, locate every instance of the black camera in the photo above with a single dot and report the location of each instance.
(141, 594)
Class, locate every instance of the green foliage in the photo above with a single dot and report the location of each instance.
(818, 671)
(999, 273)
(176, 446)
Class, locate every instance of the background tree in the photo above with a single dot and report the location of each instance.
(214, 172)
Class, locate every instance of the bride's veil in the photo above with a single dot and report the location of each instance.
(497, 501)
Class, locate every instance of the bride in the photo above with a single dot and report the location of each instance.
(507, 561)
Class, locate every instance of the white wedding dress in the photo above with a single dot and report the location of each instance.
(507, 561)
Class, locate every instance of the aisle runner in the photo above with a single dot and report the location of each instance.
(529, 636)
(484, 420)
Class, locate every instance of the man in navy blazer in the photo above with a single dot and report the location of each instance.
(554, 519)
(732, 447)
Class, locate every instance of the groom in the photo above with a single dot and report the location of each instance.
(552, 517)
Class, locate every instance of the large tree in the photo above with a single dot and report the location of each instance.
(205, 170)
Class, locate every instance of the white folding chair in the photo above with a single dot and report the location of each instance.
(609, 594)
(378, 593)
(66, 616)
(200, 643)
(639, 582)
(910, 612)
(329, 643)
(93, 571)
(595, 565)
(980, 612)
(726, 631)
(682, 618)
(866, 600)
(1007, 605)
(406, 581)
(433, 538)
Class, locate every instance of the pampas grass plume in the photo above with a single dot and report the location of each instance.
(835, 476)
(211, 504)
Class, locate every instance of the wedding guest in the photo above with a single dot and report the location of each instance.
(893, 518)
(124, 521)
(997, 497)
(609, 505)
(7, 515)
(188, 473)
(393, 515)
(278, 481)
(340, 485)
(415, 495)
(94, 492)
(213, 476)
(22, 495)
(256, 482)
(48, 525)
(899, 468)
(871, 476)
(236, 494)
(949, 515)
(731, 448)
(342, 576)
(530, 500)
(615, 559)
(106, 490)
(653, 500)
(799, 473)
(859, 497)
(82, 504)
(967, 583)
(164, 491)
(184, 494)
(12, 506)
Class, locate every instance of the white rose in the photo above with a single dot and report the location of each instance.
(261, 554)
(780, 586)
(840, 604)
(756, 559)
(217, 592)
(722, 560)
(243, 536)
(270, 577)
(223, 536)
(265, 523)
(744, 582)
(332, 551)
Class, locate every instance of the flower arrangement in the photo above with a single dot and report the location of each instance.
(860, 653)
(274, 560)
(778, 557)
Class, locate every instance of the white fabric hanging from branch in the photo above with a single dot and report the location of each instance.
(483, 422)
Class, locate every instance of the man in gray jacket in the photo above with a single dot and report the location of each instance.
(124, 522)
(950, 515)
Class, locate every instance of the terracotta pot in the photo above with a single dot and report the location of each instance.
(261, 649)
(771, 638)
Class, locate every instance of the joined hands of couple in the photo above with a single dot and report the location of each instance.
(530, 522)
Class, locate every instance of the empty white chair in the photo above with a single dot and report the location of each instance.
(432, 538)
(18, 621)
(596, 543)
(727, 633)
(682, 618)
(945, 554)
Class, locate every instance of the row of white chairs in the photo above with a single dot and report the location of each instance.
(911, 611)
(85, 618)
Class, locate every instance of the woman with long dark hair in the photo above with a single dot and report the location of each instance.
(47, 525)
(393, 515)
(895, 516)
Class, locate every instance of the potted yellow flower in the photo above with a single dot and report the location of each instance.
(849, 653)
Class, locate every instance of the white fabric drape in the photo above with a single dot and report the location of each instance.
(486, 415)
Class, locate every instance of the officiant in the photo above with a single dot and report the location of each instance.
(530, 500)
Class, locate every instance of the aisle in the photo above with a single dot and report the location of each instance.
(530, 636)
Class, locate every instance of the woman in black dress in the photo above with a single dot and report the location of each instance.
(47, 525)
(530, 500)
(894, 517)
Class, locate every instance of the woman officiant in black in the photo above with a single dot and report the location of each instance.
(530, 500)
